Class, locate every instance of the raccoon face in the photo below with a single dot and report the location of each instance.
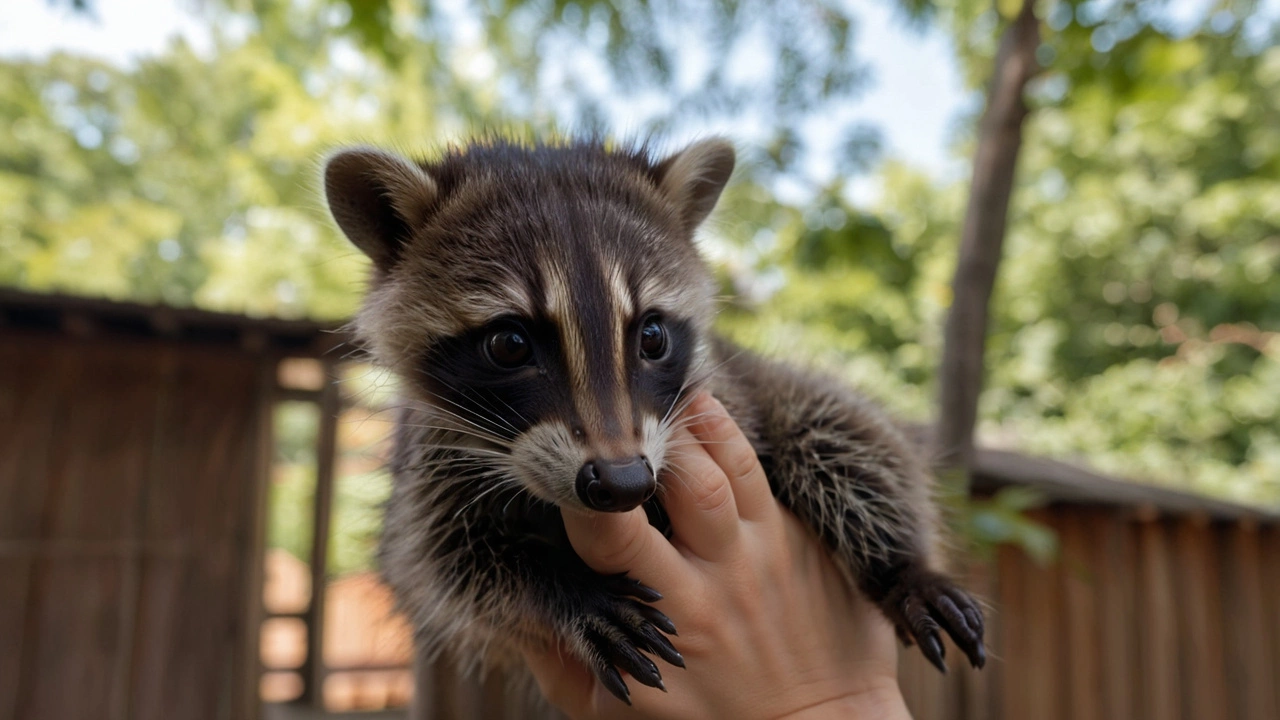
(547, 303)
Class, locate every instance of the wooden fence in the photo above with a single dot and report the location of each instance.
(1163, 617)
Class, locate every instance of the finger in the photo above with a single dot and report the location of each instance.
(563, 681)
(730, 449)
(612, 543)
(699, 500)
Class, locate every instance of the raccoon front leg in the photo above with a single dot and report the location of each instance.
(847, 472)
(603, 620)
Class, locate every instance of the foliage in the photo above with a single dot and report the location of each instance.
(1134, 324)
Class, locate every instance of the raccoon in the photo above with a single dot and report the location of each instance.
(549, 316)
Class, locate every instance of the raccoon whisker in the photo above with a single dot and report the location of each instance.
(446, 430)
(507, 405)
(463, 418)
(475, 428)
(464, 392)
(697, 375)
(503, 484)
(469, 450)
(514, 495)
(437, 407)
(458, 462)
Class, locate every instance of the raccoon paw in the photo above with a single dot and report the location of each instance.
(922, 602)
(612, 631)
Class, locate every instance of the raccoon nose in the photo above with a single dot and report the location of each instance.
(616, 485)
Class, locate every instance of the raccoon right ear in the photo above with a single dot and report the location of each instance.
(695, 176)
(377, 199)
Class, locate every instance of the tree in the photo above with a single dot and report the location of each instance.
(982, 237)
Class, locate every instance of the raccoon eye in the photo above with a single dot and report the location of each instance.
(653, 339)
(508, 349)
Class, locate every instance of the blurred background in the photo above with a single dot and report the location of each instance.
(164, 155)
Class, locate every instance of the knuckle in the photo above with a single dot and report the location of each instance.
(712, 495)
(717, 425)
(741, 461)
(620, 554)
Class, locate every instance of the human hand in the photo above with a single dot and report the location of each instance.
(768, 627)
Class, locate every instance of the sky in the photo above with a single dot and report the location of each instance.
(914, 99)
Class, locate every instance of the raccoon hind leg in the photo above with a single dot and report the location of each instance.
(850, 474)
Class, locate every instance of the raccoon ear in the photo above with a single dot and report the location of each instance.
(377, 199)
(694, 177)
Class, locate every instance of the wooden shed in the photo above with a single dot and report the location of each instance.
(133, 451)
(134, 447)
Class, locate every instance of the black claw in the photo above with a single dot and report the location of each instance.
(612, 681)
(655, 616)
(628, 658)
(624, 585)
(933, 650)
(659, 645)
(979, 656)
(963, 629)
(648, 674)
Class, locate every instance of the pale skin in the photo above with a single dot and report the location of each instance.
(767, 626)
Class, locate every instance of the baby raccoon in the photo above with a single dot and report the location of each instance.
(549, 316)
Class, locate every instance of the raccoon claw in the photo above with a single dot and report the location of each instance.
(620, 654)
(612, 681)
(617, 631)
(622, 585)
(925, 603)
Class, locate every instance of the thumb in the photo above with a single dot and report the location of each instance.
(612, 543)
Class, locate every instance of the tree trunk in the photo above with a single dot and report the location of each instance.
(999, 139)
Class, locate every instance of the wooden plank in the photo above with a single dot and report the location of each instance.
(1082, 641)
(1159, 625)
(322, 511)
(1251, 665)
(103, 443)
(251, 546)
(1115, 559)
(1009, 659)
(1270, 574)
(105, 403)
(1043, 669)
(188, 614)
(30, 380)
(977, 700)
(15, 574)
(1202, 660)
(28, 383)
(77, 648)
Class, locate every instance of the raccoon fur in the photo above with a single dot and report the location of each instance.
(548, 314)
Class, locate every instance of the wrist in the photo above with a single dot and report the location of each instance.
(879, 701)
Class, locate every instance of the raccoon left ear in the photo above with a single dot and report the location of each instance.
(695, 176)
(377, 199)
